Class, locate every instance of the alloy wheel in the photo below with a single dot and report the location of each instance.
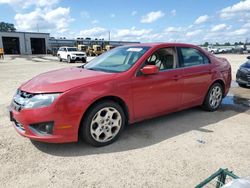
(215, 97)
(105, 124)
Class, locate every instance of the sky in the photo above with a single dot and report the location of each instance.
(192, 21)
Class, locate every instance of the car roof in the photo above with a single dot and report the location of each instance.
(67, 47)
(159, 44)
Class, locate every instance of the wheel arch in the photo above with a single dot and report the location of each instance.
(221, 82)
(116, 99)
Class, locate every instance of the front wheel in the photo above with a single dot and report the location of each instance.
(84, 60)
(59, 58)
(69, 60)
(103, 123)
(213, 98)
(242, 85)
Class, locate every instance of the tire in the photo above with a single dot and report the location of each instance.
(102, 124)
(59, 57)
(241, 85)
(213, 98)
(69, 59)
(84, 60)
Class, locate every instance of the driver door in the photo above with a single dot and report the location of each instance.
(159, 93)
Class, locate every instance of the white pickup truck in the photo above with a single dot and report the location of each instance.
(71, 54)
(212, 49)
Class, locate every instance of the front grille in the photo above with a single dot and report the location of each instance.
(243, 76)
(80, 54)
(19, 125)
(24, 94)
(20, 99)
(16, 106)
(248, 78)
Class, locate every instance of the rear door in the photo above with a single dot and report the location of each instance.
(158, 93)
(196, 75)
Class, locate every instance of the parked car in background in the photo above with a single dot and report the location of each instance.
(212, 49)
(71, 54)
(243, 74)
(123, 86)
(238, 49)
(224, 50)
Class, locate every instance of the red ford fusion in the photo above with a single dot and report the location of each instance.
(125, 85)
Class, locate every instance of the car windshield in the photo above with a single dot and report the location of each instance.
(72, 49)
(117, 60)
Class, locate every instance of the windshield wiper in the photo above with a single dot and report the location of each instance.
(102, 70)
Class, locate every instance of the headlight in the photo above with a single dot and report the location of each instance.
(41, 100)
(35, 100)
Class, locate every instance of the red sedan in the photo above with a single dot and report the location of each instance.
(125, 85)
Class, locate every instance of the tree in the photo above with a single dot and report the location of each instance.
(217, 44)
(7, 27)
(206, 44)
(227, 44)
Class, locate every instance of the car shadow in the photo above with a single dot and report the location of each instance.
(153, 131)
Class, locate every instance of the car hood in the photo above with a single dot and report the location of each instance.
(64, 79)
(76, 52)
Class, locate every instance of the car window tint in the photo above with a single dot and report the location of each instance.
(164, 58)
(192, 57)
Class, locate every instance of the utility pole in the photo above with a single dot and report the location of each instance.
(37, 27)
(109, 35)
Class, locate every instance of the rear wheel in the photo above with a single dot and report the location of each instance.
(103, 123)
(213, 98)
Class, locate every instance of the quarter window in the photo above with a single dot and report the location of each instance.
(191, 57)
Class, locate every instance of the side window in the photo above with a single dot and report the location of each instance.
(164, 58)
(191, 57)
(65, 50)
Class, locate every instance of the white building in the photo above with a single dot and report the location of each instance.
(24, 42)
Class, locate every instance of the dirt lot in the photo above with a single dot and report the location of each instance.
(177, 150)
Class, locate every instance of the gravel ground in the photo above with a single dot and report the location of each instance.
(177, 150)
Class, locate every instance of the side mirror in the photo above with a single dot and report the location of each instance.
(248, 57)
(150, 69)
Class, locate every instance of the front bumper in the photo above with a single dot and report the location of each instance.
(243, 78)
(65, 129)
(79, 58)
